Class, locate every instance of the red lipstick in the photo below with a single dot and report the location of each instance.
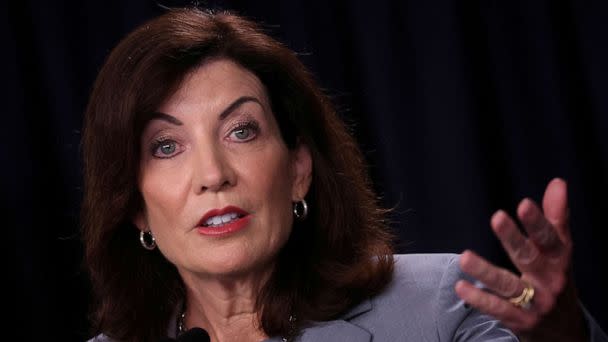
(233, 225)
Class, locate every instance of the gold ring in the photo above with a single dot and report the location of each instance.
(524, 299)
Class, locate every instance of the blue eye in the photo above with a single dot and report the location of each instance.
(164, 148)
(242, 133)
(245, 131)
(168, 148)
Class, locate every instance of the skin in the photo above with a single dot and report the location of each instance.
(216, 150)
(544, 260)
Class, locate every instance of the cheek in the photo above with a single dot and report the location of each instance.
(278, 189)
(274, 179)
(269, 180)
(165, 192)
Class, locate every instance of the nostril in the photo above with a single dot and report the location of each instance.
(221, 186)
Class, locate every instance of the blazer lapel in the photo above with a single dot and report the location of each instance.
(359, 309)
(335, 331)
(340, 329)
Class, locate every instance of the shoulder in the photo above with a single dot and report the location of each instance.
(421, 282)
(421, 303)
(424, 268)
(418, 278)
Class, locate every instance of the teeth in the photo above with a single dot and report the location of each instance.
(221, 219)
(229, 217)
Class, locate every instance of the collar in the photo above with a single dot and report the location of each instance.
(338, 330)
(359, 309)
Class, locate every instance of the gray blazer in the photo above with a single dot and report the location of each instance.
(419, 305)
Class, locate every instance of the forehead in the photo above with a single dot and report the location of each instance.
(213, 84)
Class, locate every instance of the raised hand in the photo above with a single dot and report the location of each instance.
(540, 304)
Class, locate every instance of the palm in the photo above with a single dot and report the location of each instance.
(543, 258)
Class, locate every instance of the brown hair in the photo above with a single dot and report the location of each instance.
(341, 254)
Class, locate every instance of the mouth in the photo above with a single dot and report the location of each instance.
(217, 218)
(221, 220)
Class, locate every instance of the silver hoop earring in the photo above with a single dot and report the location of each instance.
(300, 209)
(147, 240)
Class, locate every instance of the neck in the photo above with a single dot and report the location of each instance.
(224, 306)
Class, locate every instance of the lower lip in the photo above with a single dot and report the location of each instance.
(226, 229)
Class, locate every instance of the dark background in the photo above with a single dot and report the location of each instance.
(461, 107)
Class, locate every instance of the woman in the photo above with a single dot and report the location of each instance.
(223, 192)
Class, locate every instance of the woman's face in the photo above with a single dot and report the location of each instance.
(217, 180)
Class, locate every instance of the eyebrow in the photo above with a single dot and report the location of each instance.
(234, 105)
(165, 117)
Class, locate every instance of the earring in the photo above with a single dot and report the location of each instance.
(147, 240)
(300, 209)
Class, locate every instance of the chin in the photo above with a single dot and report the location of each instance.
(236, 264)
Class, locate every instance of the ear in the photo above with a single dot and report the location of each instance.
(301, 162)
(140, 221)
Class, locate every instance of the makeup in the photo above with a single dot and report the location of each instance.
(222, 222)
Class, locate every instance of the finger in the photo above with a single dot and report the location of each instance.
(499, 280)
(507, 285)
(521, 251)
(539, 229)
(555, 207)
(488, 303)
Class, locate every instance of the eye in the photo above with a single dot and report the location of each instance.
(165, 148)
(242, 133)
(245, 131)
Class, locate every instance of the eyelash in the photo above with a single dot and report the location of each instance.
(158, 143)
(251, 125)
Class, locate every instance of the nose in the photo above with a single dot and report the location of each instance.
(212, 171)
